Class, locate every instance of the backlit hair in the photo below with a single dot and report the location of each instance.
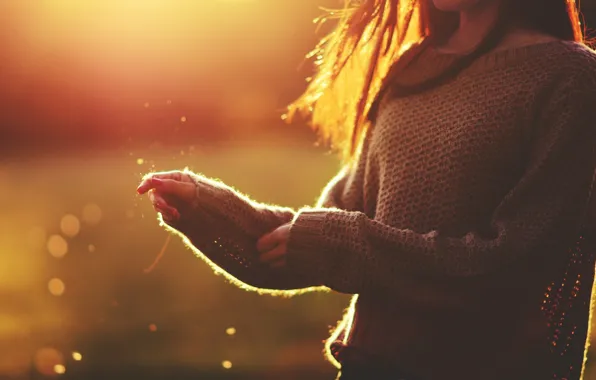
(371, 35)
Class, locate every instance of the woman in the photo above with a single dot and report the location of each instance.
(461, 217)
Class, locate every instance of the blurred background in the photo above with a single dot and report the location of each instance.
(96, 93)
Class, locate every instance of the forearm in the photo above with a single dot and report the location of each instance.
(222, 227)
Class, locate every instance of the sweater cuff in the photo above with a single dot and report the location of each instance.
(210, 201)
(306, 252)
(209, 193)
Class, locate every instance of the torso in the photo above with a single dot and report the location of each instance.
(477, 125)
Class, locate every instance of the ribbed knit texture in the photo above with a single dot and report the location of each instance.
(461, 226)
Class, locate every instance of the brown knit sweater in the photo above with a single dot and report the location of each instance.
(461, 227)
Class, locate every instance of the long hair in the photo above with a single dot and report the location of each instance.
(373, 35)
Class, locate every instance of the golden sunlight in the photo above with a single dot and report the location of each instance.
(70, 225)
(226, 364)
(60, 369)
(47, 360)
(92, 214)
(57, 246)
(36, 237)
(56, 287)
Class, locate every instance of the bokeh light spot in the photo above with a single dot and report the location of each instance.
(59, 369)
(153, 327)
(70, 225)
(92, 214)
(56, 287)
(57, 246)
(77, 356)
(146, 105)
(226, 364)
(46, 359)
(183, 119)
(91, 248)
(230, 331)
(140, 161)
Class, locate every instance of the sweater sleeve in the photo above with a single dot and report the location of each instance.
(543, 212)
(222, 227)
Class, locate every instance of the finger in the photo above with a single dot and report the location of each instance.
(157, 199)
(145, 184)
(269, 241)
(168, 214)
(275, 254)
(183, 190)
(161, 205)
(175, 175)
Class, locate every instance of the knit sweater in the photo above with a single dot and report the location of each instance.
(461, 227)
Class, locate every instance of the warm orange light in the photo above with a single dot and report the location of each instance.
(56, 287)
(59, 369)
(47, 360)
(57, 246)
(70, 225)
(153, 327)
(77, 356)
(226, 364)
(92, 214)
(230, 331)
(36, 237)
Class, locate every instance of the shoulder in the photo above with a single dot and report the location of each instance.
(573, 64)
(568, 101)
(561, 72)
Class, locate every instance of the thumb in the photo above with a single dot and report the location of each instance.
(185, 191)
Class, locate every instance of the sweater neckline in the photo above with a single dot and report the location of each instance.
(430, 62)
(495, 57)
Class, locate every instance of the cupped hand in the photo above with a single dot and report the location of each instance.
(273, 246)
(168, 192)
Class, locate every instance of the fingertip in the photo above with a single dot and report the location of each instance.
(144, 186)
